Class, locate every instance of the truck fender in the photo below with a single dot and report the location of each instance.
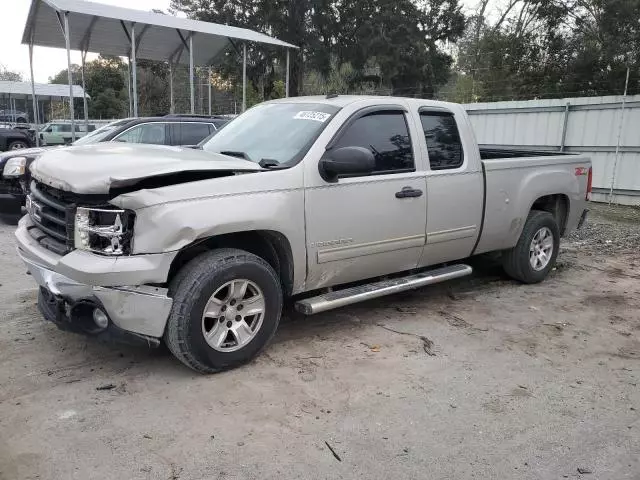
(535, 185)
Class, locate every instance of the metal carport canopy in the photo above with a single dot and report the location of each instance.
(98, 28)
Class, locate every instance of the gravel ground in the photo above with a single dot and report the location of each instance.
(478, 378)
(610, 229)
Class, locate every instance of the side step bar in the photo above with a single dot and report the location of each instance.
(341, 298)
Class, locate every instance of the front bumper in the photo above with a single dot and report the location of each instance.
(117, 285)
(141, 310)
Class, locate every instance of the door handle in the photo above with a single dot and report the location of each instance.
(408, 192)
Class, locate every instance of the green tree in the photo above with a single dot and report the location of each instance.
(399, 40)
(107, 87)
(404, 39)
(551, 48)
(8, 75)
(105, 81)
(106, 104)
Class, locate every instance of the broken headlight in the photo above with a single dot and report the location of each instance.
(15, 167)
(104, 231)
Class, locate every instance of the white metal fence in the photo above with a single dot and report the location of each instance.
(605, 128)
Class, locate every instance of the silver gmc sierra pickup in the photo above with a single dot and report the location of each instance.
(326, 201)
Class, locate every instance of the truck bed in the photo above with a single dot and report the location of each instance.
(493, 153)
(515, 179)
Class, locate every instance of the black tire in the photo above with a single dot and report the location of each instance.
(17, 145)
(192, 288)
(516, 260)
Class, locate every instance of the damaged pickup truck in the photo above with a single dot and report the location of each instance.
(326, 201)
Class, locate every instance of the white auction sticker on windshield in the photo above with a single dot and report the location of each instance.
(317, 116)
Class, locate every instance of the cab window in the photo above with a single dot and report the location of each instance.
(444, 146)
(386, 135)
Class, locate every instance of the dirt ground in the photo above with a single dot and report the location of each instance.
(521, 382)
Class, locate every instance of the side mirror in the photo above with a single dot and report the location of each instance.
(346, 161)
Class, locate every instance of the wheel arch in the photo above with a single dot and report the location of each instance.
(272, 246)
(558, 205)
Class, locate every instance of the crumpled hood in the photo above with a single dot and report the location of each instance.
(95, 169)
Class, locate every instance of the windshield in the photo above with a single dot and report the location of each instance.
(278, 132)
(99, 134)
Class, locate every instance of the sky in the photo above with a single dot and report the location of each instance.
(46, 61)
(49, 61)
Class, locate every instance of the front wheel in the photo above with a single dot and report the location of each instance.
(226, 307)
(533, 257)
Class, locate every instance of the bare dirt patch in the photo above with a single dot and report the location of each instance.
(512, 381)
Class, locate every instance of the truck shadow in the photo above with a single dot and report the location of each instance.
(122, 361)
(487, 275)
(333, 324)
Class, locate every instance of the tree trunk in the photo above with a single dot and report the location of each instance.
(296, 34)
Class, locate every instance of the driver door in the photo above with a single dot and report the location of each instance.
(363, 226)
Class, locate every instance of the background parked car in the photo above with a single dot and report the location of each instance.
(15, 139)
(13, 116)
(178, 130)
(60, 133)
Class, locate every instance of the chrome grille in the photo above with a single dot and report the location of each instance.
(52, 218)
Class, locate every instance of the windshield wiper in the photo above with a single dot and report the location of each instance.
(233, 153)
(271, 164)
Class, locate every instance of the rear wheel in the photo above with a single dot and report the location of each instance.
(533, 257)
(226, 307)
(17, 145)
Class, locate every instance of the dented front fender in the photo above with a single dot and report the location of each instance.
(171, 218)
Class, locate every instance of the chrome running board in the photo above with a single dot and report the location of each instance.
(348, 296)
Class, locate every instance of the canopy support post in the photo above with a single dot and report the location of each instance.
(172, 106)
(67, 38)
(191, 79)
(134, 81)
(34, 99)
(84, 95)
(286, 83)
(129, 86)
(209, 85)
(244, 76)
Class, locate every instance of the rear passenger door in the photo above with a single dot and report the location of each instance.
(363, 226)
(455, 189)
(190, 133)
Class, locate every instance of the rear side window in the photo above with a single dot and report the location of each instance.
(443, 140)
(153, 133)
(190, 133)
(61, 128)
(386, 135)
